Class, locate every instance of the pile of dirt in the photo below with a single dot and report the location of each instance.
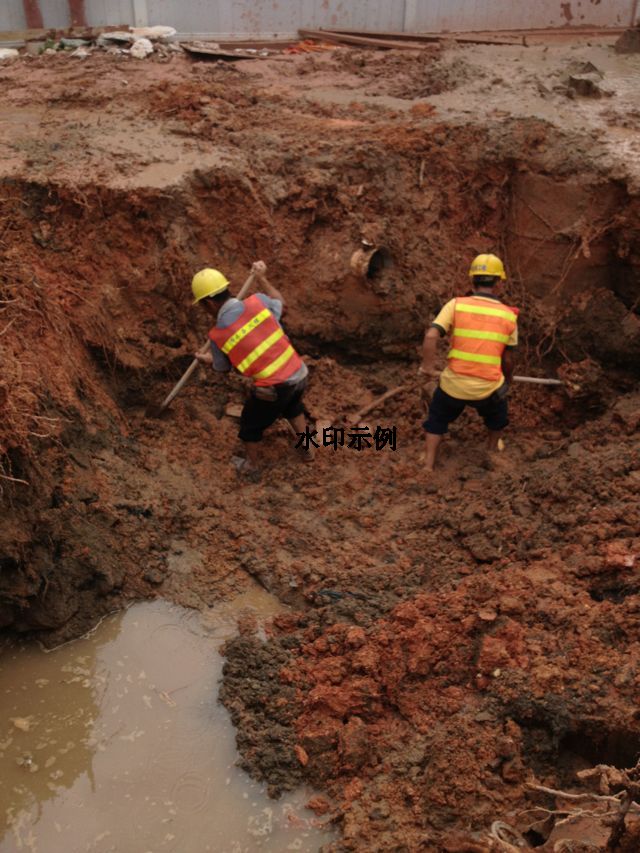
(409, 75)
(420, 681)
(409, 714)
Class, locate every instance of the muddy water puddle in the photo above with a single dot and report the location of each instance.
(116, 742)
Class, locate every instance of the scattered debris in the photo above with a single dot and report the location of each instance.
(120, 36)
(22, 723)
(141, 48)
(308, 46)
(587, 86)
(212, 49)
(582, 79)
(158, 33)
(233, 410)
(73, 43)
(629, 41)
(81, 52)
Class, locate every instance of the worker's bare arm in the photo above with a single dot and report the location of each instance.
(430, 351)
(260, 269)
(507, 364)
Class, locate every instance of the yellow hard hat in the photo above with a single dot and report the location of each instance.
(207, 282)
(489, 265)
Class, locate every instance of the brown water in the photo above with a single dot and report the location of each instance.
(116, 742)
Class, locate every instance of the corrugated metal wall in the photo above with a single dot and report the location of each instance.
(274, 16)
(268, 17)
(106, 12)
(461, 15)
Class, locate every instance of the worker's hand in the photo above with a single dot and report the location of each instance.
(259, 268)
(429, 389)
(204, 357)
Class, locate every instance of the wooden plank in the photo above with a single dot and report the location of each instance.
(341, 38)
(217, 52)
(505, 37)
(24, 35)
(431, 37)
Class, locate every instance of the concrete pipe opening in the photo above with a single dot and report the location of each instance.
(380, 260)
(371, 261)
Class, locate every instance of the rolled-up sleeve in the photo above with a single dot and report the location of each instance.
(274, 305)
(444, 321)
(220, 361)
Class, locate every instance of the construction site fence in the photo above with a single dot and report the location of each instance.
(257, 19)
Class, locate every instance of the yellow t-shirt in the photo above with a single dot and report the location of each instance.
(457, 384)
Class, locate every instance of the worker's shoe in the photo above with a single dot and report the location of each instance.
(246, 470)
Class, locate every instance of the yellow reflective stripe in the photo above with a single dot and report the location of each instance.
(243, 331)
(471, 356)
(275, 365)
(481, 336)
(489, 312)
(260, 350)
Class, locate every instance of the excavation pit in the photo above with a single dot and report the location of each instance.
(450, 596)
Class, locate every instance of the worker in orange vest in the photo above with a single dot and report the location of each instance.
(483, 332)
(247, 336)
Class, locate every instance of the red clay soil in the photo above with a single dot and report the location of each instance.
(452, 639)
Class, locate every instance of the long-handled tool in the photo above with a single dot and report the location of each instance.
(535, 380)
(177, 388)
(355, 419)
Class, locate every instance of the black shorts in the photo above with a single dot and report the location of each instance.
(444, 409)
(258, 414)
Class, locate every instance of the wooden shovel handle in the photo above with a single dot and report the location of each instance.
(186, 376)
(534, 380)
(246, 286)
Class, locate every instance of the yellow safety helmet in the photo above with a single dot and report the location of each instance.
(207, 282)
(487, 265)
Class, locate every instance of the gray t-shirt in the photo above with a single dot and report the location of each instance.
(229, 313)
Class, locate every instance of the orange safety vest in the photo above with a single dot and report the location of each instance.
(257, 346)
(481, 331)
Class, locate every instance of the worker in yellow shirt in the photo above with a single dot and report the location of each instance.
(483, 332)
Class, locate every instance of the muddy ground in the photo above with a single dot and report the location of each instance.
(452, 639)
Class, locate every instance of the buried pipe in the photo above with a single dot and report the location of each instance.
(370, 261)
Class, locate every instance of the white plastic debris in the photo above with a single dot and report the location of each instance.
(73, 43)
(117, 36)
(153, 33)
(141, 48)
(8, 53)
(81, 53)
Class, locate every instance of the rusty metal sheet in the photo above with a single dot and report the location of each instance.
(483, 15)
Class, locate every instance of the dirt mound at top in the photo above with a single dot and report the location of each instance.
(401, 74)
